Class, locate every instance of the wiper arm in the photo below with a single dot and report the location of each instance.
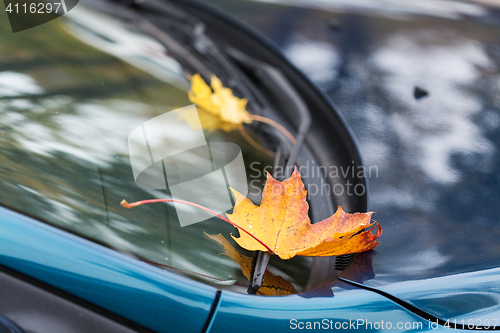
(191, 40)
(274, 81)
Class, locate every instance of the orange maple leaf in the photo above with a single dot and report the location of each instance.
(283, 225)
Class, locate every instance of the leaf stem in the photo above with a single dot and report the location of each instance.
(275, 124)
(254, 143)
(125, 204)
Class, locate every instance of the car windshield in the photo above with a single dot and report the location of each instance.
(71, 93)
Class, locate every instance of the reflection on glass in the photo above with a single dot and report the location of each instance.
(66, 114)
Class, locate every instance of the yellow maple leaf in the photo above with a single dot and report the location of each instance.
(283, 225)
(223, 109)
(272, 285)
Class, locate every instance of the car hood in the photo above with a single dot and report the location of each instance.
(420, 91)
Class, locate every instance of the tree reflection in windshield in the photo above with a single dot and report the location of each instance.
(66, 111)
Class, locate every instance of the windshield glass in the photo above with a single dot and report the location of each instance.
(70, 97)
